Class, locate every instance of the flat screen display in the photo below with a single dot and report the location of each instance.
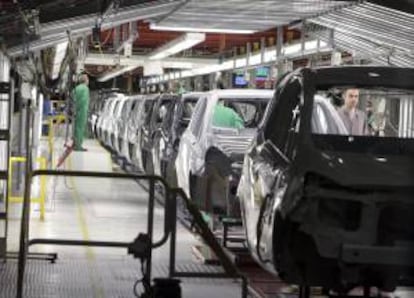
(262, 73)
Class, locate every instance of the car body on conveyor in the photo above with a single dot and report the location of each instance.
(144, 118)
(326, 206)
(121, 122)
(108, 119)
(113, 122)
(96, 109)
(130, 127)
(152, 124)
(102, 120)
(167, 137)
(209, 158)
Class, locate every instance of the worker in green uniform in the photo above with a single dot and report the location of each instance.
(81, 98)
(226, 117)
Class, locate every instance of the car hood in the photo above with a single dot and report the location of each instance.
(363, 170)
(233, 143)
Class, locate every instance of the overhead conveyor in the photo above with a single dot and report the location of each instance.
(55, 32)
(371, 31)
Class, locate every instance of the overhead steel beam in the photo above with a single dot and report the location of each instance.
(247, 14)
(124, 15)
(39, 44)
(115, 73)
(133, 35)
(56, 32)
(135, 60)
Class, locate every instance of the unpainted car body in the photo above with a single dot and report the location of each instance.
(153, 123)
(96, 109)
(109, 119)
(167, 137)
(121, 124)
(102, 121)
(144, 116)
(209, 158)
(129, 127)
(322, 207)
(114, 121)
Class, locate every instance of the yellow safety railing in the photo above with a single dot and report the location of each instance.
(42, 194)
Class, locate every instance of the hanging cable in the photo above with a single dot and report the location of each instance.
(144, 280)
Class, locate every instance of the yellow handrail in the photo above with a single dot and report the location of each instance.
(42, 194)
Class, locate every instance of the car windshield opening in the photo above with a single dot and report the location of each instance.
(239, 112)
(188, 107)
(376, 120)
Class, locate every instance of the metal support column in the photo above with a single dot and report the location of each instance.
(279, 46)
(150, 225)
(24, 227)
(21, 141)
(5, 137)
(262, 50)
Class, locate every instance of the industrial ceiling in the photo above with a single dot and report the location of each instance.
(380, 30)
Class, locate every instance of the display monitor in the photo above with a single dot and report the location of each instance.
(262, 73)
(239, 79)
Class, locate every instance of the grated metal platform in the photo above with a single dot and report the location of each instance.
(100, 209)
(103, 278)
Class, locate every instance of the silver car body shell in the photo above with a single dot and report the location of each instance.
(130, 131)
(192, 149)
(115, 118)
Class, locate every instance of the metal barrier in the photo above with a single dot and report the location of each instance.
(42, 192)
(231, 270)
(170, 228)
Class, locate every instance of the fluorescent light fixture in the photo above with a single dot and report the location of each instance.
(209, 69)
(60, 51)
(292, 51)
(270, 55)
(205, 30)
(177, 64)
(241, 62)
(186, 73)
(116, 73)
(255, 59)
(152, 68)
(177, 45)
(310, 45)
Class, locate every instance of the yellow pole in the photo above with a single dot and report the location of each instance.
(42, 194)
(50, 139)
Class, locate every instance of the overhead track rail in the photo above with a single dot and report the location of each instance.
(245, 15)
(369, 31)
(56, 32)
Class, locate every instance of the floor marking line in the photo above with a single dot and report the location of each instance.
(90, 255)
